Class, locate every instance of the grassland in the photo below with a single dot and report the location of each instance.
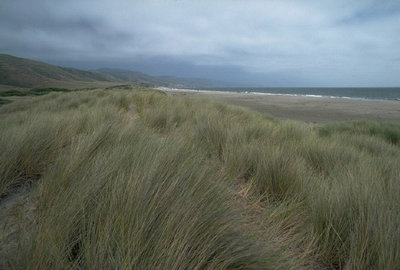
(136, 179)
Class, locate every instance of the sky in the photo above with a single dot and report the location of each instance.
(305, 43)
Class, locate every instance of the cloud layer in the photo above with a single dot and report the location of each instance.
(277, 43)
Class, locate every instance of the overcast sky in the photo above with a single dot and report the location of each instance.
(270, 43)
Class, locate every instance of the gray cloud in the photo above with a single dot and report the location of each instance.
(293, 43)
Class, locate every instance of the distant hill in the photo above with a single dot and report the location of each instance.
(26, 73)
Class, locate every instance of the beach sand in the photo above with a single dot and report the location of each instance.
(314, 110)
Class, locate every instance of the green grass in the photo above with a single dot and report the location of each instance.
(8, 93)
(138, 179)
(32, 92)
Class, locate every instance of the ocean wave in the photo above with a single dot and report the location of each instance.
(317, 96)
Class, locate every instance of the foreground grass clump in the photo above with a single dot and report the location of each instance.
(138, 179)
(112, 194)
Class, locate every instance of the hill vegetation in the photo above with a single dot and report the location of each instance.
(136, 179)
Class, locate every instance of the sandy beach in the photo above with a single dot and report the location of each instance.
(307, 109)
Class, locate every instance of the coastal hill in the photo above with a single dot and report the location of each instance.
(27, 73)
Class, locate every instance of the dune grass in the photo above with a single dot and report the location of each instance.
(390, 132)
(136, 179)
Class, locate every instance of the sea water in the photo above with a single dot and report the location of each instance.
(384, 93)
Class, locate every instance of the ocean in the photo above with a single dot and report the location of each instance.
(376, 93)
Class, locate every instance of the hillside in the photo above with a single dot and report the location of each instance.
(21, 72)
(26, 73)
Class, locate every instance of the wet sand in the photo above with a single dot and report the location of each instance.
(306, 109)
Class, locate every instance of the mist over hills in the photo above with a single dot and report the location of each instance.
(137, 77)
(27, 73)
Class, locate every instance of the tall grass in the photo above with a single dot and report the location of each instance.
(335, 177)
(140, 180)
(386, 130)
